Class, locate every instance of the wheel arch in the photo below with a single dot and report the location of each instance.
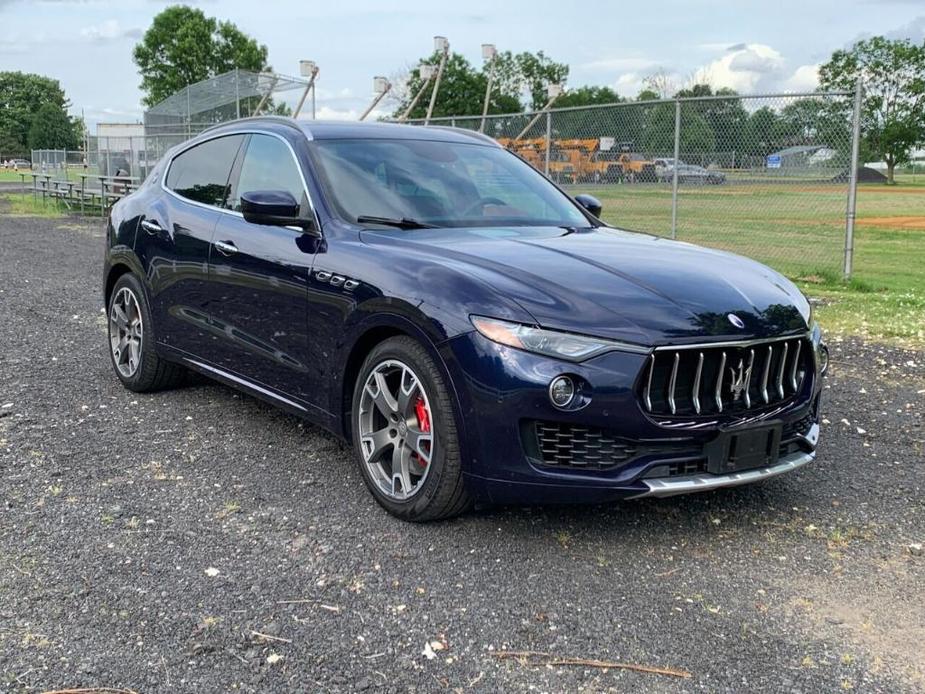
(371, 333)
(115, 272)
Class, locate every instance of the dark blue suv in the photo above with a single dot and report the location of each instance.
(476, 333)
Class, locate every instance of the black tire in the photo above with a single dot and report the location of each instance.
(442, 492)
(152, 372)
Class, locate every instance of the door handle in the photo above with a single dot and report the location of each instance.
(226, 247)
(151, 227)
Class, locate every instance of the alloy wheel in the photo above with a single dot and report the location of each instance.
(395, 426)
(125, 332)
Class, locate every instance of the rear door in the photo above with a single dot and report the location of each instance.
(259, 278)
(175, 237)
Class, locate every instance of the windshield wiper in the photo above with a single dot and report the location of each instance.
(403, 223)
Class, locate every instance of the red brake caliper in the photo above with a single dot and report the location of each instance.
(420, 411)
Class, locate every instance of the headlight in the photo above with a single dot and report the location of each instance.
(551, 343)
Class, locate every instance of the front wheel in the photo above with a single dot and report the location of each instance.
(405, 435)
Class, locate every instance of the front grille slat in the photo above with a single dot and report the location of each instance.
(764, 377)
(719, 382)
(695, 392)
(793, 370)
(730, 378)
(780, 373)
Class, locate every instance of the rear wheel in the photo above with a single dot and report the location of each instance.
(404, 433)
(131, 341)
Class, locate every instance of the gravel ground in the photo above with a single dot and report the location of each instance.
(144, 539)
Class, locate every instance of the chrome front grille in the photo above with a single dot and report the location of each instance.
(730, 377)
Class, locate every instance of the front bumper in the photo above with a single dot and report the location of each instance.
(705, 482)
(503, 393)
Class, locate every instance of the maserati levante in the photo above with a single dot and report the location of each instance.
(475, 333)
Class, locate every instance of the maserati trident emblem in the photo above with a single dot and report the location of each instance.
(735, 320)
(738, 379)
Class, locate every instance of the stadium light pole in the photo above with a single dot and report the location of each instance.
(553, 92)
(440, 44)
(381, 87)
(307, 68)
(488, 53)
(426, 73)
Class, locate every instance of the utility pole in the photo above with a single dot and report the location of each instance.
(427, 73)
(553, 91)
(307, 68)
(488, 53)
(440, 44)
(381, 87)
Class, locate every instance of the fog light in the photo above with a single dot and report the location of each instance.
(562, 391)
(823, 359)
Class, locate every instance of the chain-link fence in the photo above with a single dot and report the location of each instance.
(767, 176)
(225, 97)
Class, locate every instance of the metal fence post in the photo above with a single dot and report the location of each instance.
(674, 175)
(851, 212)
(548, 142)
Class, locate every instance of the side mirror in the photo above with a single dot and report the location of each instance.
(273, 208)
(590, 203)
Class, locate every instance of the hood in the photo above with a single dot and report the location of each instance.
(617, 284)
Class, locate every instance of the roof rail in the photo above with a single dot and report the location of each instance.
(281, 120)
(482, 137)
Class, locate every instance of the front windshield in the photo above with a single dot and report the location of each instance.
(441, 184)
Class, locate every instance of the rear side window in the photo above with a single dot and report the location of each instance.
(268, 165)
(201, 173)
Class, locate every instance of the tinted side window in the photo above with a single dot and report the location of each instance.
(201, 173)
(268, 165)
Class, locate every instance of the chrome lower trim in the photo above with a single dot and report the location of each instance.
(672, 486)
(244, 382)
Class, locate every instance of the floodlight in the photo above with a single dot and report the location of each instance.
(427, 72)
(380, 85)
(488, 51)
(307, 68)
(553, 90)
(441, 43)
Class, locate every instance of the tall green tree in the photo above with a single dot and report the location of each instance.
(22, 97)
(183, 46)
(462, 91)
(893, 77)
(530, 73)
(52, 129)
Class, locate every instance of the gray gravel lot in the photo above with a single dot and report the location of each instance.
(145, 538)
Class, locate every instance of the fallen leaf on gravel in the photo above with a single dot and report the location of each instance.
(862, 431)
(428, 652)
(212, 572)
(274, 658)
(915, 549)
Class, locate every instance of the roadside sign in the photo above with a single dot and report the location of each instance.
(773, 161)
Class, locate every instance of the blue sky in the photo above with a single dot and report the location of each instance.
(748, 45)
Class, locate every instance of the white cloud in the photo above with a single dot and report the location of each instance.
(110, 30)
(629, 84)
(804, 79)
(743, 67)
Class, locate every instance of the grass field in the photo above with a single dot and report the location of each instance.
(800, 230)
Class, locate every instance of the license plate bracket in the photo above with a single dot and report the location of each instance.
(744, 450)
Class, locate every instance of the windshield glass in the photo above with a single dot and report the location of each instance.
(439, 184)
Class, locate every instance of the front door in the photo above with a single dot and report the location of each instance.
(259, 280)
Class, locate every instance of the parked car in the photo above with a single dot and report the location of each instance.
(476, 333)
(687, 173)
